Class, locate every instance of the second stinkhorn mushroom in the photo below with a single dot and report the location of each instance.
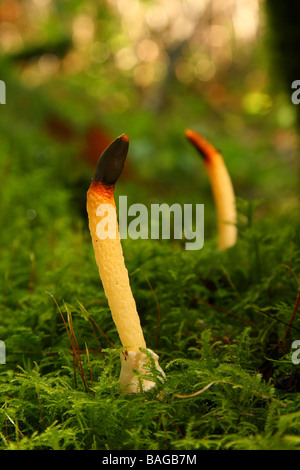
(222, 189)
(112, 269)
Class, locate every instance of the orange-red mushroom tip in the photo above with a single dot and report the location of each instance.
(125, 137)
(205, 148)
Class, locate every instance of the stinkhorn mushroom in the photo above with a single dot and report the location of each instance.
(222, 189)
(113, 273)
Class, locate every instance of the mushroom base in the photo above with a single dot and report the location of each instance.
(137, 361)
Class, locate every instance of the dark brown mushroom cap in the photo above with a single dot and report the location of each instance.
(111, 162)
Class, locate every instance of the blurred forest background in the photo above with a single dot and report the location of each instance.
(79, 73)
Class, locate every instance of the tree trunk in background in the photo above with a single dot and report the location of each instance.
(284, 35)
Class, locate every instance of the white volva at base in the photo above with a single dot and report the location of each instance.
(137, 360)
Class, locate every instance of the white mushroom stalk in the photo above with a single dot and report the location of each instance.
(222, 189)
(104, 231)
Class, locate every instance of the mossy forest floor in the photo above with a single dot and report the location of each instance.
(220, 321)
